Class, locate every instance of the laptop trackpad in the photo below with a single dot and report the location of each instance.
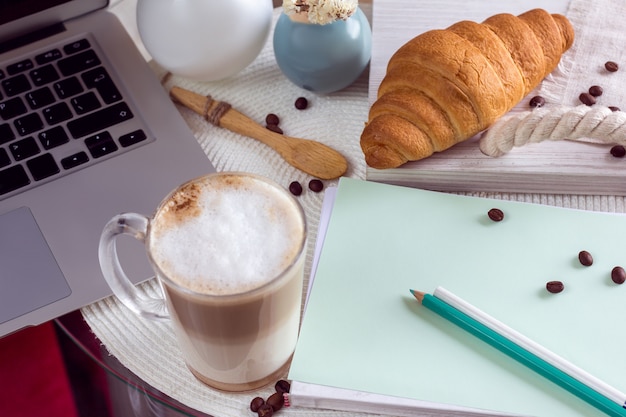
(29, 275)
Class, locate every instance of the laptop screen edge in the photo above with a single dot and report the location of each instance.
(37, 14)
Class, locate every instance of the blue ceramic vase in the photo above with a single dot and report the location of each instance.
(323, 58)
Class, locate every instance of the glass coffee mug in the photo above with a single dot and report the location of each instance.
(228, 250)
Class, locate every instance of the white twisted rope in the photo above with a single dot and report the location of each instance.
(586, 123)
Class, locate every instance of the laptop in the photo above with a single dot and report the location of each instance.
(86, 132)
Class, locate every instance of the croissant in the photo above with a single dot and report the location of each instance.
(445, 86)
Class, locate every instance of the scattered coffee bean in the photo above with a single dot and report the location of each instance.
(555, 287)
(282, 386)
(596, 90)
(265, 410)
(496, 215)
(585, 258)
(618, 275)
(537, 101)
(614, 108)
(295, 188)
(587, 99)
(301, 103)
(256, 403)
(274, 128)
(618, 151)
(611, 66)
(316, 186)
(276, 401)
(272, 119)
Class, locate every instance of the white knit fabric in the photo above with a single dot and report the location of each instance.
(149, 349)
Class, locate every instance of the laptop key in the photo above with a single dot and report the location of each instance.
(85, 103)
(99, 120)
(57, 113)
(53, 137)
(43, 166)
(39, 98)
(4, 158)
(28, 124)
(109, 92)
(44, 75)
(13, 178)
(68, 87)
(16, 85)
(75, 160)
(6, 133)
(101, 144)
(79, 62)
(21, 66)
(49, 56)
(76, 46)
(132, 138)
(24, 148)
(12, 108)
(100, 80)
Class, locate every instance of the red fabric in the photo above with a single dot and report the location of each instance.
(33, 380)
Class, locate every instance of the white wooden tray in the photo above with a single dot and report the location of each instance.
(551, 167)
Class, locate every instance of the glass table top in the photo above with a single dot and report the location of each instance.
(102, 386)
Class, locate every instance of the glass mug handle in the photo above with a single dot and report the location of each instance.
(135, 225)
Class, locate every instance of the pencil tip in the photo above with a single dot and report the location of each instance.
(418, 295)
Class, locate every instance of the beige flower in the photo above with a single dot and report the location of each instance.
(321, 12)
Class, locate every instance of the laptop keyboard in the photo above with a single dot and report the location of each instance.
(60, 111)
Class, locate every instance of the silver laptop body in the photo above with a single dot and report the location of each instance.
(49, 229)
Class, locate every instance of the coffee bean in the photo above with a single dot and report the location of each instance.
(265, 410)
(301, 103)
(316, 186)
(555, 287)
(496, 215)
(272, 119)
(295, 188)
(618, 151)
(611, 66)
(614, 108)
(585, 258)
(618, 275)
(596, 90)
(537, 101)
(274, 128)
(276, 401)
(282, 386)
(587, 99)
(256, 403)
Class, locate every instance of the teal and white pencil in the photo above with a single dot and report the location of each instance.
(515, 351)
(533, 347)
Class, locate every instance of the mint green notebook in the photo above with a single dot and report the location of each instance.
(363, 330)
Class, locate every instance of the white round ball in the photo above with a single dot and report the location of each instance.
(204, 40)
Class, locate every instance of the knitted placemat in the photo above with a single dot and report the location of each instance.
(149, 349)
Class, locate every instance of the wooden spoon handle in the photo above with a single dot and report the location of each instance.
(220, 114)
(312, 157)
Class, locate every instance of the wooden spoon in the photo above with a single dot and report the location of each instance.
(312, 157)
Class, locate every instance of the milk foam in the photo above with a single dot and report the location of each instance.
(226, 236)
